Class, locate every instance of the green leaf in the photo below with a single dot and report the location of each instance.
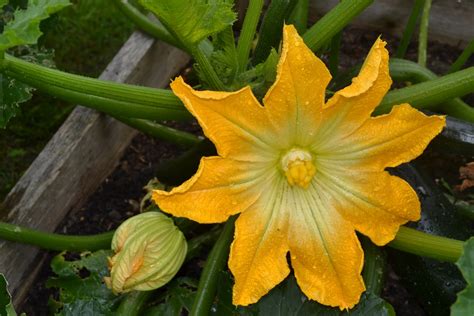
(464, 305)
(12, 93)
(190, 21)
(25, 27)
(81, 287)
(287, 299)
(6, 306)
(2, 3)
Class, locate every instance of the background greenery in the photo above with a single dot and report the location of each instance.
(84, 38)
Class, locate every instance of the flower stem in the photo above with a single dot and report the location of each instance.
(405, 70)
(333, 22)
(247, 33)
(409, 28)
(461, 60)
(426, 245)
(214, 264)
(155, 29)
(423, 37)
(52, 241)
(133, 303)
(427, 95)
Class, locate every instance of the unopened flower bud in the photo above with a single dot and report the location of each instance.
(149, 251)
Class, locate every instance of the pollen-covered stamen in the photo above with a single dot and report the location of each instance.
(298, 167)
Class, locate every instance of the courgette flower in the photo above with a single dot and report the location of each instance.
(149, 251)
(305, 174)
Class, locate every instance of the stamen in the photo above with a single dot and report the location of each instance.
(298, 167)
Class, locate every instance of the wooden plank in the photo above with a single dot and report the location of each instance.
(451, 21)
(83, 152)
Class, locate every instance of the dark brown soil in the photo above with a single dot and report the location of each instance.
(119, 195)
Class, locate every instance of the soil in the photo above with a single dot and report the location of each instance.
(119, 195)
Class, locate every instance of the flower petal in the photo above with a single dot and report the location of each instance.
(294, 102)
(385, 141)
(258, 254)
(325, 252)
(376, 203)
(220, 188)
(234, 121)
(350, 107)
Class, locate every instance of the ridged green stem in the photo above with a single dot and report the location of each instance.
(207, 70)
(405, 70)
(409, 28)
(154, 29)
(162, 132)
(425, 245)
(52, 241)
(111, 97)
(427, 95)
(461, 60)
(334, 21)
(423, 37)
(247, 34)
(214, 264)
(29, 73)
(299, 16)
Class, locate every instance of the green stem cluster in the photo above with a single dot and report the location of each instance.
(410, 28)
(247, 32)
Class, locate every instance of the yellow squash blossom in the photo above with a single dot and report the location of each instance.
(305, 174)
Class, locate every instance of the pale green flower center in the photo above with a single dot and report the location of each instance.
(298, 167)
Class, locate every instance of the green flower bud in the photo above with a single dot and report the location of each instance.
(149, 251)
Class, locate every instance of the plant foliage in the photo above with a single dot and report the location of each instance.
(465, 302)
(6, 306)
(192, 20)
(81, 287)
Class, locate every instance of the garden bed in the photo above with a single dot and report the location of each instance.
(119, 194)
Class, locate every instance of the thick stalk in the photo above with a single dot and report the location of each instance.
(299, 16)
(114, 98)
(409, 28)
(334, 21)
(214, 264)
(162, 132)
(154, 29)
(423, 38)
(425, 245)
(110, 106)
(461, 60)
(31, 73)
(52, 241)
(427, 95)
(405, 70)
(247, 34)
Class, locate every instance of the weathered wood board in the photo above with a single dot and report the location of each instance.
(451, 21)
(77, 159)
